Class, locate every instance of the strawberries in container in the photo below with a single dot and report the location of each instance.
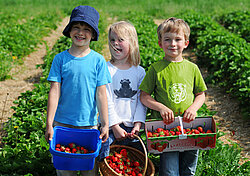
(73, 148)
(180, 136)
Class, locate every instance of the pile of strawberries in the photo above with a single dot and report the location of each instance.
(73, 148)
(160, 132)
(122, 164)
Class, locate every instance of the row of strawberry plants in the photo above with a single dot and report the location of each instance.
(210, 162)
(20, 38)
(225, 54)
(24, 150)
(237, 22)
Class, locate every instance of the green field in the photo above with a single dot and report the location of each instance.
(219, 37)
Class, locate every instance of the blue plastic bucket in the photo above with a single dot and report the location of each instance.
(88, 138)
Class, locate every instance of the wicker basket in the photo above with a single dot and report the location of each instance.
(135, 154)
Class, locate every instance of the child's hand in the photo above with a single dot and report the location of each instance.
(49, 133)
(189, 115)
(135, 130)
(119, 132)
(167, 115)
(104, 133)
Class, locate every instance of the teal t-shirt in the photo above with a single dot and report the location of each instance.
(174, 84)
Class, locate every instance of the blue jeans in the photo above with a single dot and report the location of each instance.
(178, 163)
(135, 143)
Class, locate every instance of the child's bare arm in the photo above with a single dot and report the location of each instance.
(119, 132)
(190, 113)
(166, 113)
(102, 105)
(53, 98)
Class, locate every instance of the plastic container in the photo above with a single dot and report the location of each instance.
(88, 138)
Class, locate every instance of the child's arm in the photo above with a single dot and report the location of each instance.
(119, 132)
(190, 113)
(102, 105)
(53, 98)
(166, 113)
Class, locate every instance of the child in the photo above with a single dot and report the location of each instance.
(178, 89)
(78, 79)
(126, 113)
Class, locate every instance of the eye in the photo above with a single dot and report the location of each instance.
(87, 29)
(121, 39)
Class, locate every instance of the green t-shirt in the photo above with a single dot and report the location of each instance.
(173, 84)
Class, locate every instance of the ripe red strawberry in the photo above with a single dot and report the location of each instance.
(123, 152)
(209, 131)
(155, 134)
(158, 130)
(74, 150)
(67, 150)
(58, 145)
(62, 148)
(178, 128)
(200, 129)
(136, 164)
(196, 131)
(172, 132)
(150, 134)
(72, 145)
(178, 133)
(58, 149)
(119, 156)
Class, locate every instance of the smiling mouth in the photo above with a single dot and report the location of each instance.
(79, 38)
(116, 49)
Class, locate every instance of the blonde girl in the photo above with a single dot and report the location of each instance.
(126, 112)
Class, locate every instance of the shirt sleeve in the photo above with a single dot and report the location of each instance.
(55, 70)
(103, 73)
(141, 110)
(148, 83)
(113, 117)
(199, 83)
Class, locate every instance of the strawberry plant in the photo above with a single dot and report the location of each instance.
(237, 22)
(224, 54)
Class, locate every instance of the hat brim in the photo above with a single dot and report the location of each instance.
(67, 29)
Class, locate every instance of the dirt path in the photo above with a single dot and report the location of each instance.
(26, 75)
(228, 116)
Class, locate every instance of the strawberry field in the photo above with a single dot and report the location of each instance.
(219, 38)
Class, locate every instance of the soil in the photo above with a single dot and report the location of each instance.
(228, 117)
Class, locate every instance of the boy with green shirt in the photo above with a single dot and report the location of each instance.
(178, 89)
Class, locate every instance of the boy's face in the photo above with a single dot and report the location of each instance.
(81, 34)
(173, 44)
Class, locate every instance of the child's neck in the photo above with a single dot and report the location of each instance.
(79, 51)
(174, 59)
(121, 64)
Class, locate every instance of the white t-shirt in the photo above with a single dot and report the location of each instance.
(124, 105)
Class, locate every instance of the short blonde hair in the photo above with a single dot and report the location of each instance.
(174, 25)
(128, 32)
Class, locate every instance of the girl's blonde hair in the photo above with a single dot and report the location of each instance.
(127, 31)
(174, 25)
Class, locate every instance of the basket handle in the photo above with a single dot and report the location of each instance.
(145, 152)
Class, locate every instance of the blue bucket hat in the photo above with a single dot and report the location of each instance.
(85, 14)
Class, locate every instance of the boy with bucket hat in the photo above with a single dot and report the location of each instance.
(78, 79)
